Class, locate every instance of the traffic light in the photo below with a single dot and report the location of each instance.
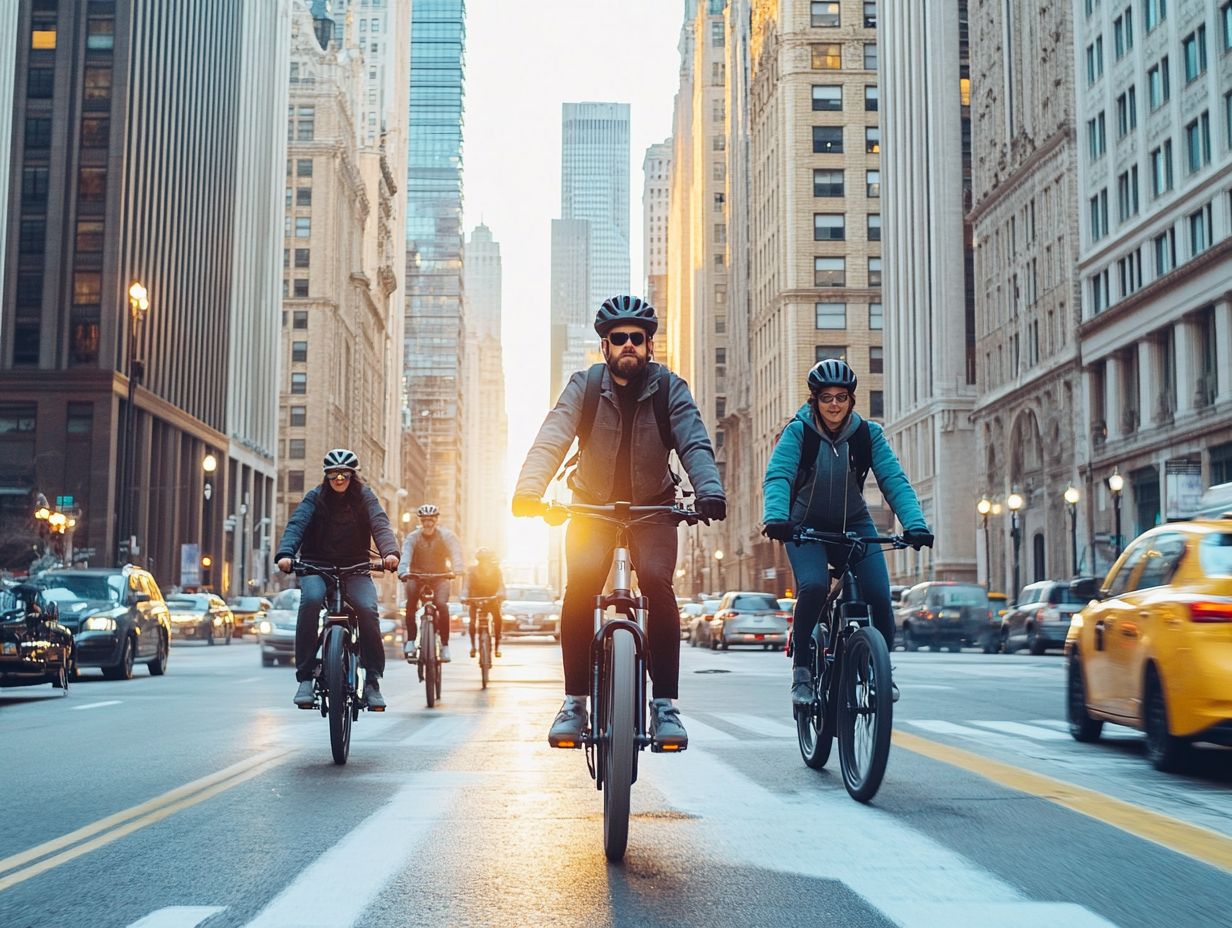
(206, 563)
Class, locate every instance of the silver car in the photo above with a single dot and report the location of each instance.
(749, 618)
(276, 632)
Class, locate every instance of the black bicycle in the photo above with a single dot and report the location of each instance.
(486, 607)
(618, 654)
(428, 663)
(852, 696)
(337, 690)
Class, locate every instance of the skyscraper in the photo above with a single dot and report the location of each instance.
(435, 337)
(656, 202)
(8, 57)
(570, 301)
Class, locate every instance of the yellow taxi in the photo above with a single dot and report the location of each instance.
(1153, 647)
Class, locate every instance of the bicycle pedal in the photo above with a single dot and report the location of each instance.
(315, 705)
(374, 708)
(668, 748)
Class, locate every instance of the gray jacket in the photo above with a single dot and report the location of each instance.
(595, 475)
(457, 563)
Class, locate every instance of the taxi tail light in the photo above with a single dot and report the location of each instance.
(1211, 611)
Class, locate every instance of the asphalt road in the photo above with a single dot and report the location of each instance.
(205, 798)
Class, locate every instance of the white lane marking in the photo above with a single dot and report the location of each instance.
(701, 733)
(178, 916)
(763, 725)
(937, 726)
(1054, 724)
(369, 857)
(96, 705)
(1027, 731)
(920, 884)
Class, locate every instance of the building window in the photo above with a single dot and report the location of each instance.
(1155, 12)
(1165, 253)
(1221, 464)
(87, 288)
(716, 34)
(827, 140)
(874, 272)
(870, 14)
(830, 353)
(829, 227)
(872, 140)
(827, 183)
(89, 239)
(1095, 60)
(1161, 169)
(829, 272)
(299, 383)
(96, 131)
(97, 84)
(38, 132)
(827, 57)
(871, 98)
(92, 185)
(876, 404)
(303, 226)
(831, 315)
(296, 449)
(100, 34)
(824, 15)
(33, 235)
(1123, 32)
(301, 257)
(83, 340)
(827, 98)
(43, 35)
(299, 352)
(872, 184)
(303, 167)
(1129, 273)
(1198, 142)
(303, 196)
(1159, 87)
(79, 419)
(1226, 13)
(1194, 48)
(876, 360)
(299, 288)
(1127, 112)
(876, 316)
(870, 56)
(295, 481)
(299, 319)
(1097, 142)
(1099, 292)
(305, 123)
(1099, 215)
(1201, 230)
(874, 227)
(40, 83)
(1127, 194)
(34, 186)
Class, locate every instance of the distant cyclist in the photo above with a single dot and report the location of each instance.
(641, 412)
(485, 581)
(815, 478)
(335, 524)
(430, 549)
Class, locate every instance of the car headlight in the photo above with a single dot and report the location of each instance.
(99, 623)
(265, 628)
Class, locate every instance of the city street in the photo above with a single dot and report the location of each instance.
(205, 798)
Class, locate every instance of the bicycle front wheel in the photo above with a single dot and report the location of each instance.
(485, 657)
(428, 654)
(865, 713)
(337, 695)
(618, 732)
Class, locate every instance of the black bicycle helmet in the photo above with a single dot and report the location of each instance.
(831, 373)
(626, 310)
(341, 459)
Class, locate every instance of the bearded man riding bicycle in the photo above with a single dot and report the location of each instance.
(430, 549)
(638, 413)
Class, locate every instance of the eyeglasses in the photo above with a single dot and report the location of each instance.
(339, 476)
(619, 338)
(828, 399)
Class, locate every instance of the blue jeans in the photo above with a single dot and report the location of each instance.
(440, 590)
(360, 592)
(811, 565)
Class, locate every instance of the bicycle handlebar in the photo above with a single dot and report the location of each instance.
(619, 513)
(478, 600)
(333, 571)
(417, 575)
(851, 539)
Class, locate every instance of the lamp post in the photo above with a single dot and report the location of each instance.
(138, 307)
(718, 556)
(209, 464)
(1071, 500)
(1015, 503)
(984, 507)
(1116, 483)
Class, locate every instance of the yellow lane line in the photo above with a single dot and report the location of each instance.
(1192, 840)
(149, 811)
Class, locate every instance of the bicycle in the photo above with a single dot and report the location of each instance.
(617, 729)
(335, 683)
(485, 608)
(850, 662)
(428, 663)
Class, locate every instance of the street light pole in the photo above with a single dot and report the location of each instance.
(1116, 483)
(984, 507)
(138, 306)
(1015, 502)
(1071, 500)
(718, 556)
(209, 464)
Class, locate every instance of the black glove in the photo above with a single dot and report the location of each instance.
(779, 531)
(918, 538)
(526, 505)
(712, 508)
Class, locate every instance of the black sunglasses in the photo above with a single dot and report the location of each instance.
(619, 338)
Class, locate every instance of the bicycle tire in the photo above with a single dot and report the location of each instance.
(427, 651)
(815, 727)
(339, 710)
(618, 733)
(485, 657)
(865, 713)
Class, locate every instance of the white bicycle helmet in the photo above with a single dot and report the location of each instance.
(426, 510)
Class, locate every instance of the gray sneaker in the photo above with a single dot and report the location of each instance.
(304, 696)
(666, 731)
(372, 694)
(444, 654)
(801, 686)
(566, 731)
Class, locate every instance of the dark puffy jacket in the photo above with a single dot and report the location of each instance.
(310, 535)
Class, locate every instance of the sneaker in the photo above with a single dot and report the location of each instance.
(496, 653)
(445, 658)
(473, 652)
(372, 694)
(666, 731)
(410, 651)
(893, 691)
(566, 730)
(304, 696)
(801, 686)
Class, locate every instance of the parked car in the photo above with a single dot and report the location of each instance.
(896, 593)
(116, 614)
(276, 632)
(1041, 617)
(529, 610)
(688, 612)
(699, 624)
(34, 647)
(200, 617)
(1152, 648)
(393, 634)
(749, 618)
(248, 612)
(939, 613)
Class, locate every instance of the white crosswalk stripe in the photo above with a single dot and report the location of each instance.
(993, 730)
(177, 916)
(1027, 731)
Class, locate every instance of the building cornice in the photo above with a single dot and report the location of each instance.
(1013, 183)
(1210, 421)
(1028, 389)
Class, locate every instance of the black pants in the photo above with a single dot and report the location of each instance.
(360, 592)
(492, 605)
(440, 589)
(588, 557)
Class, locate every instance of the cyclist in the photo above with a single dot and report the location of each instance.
(485, 581)
(335, 524)
(430, 549)
(624, 457)
(826, 492)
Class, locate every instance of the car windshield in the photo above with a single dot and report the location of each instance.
(958, 595)
(749, 603)
(247, 604)
(188, 601)
(787, 604)
(287, 599)
(63, 588)
(529, 594)
(709, 606)
(1061, 594)
(1215, 555)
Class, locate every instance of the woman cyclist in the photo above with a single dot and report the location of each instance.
(485, 581)
(826, 492)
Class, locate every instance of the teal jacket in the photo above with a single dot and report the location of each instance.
(833, 499)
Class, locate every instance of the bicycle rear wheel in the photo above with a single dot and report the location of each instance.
(865, 713)
(618, 731)
(815, 728)
(334, 669)
(485, 656)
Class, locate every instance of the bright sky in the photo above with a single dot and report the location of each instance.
(522, 62)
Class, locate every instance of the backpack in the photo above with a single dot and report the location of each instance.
(860, 455)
